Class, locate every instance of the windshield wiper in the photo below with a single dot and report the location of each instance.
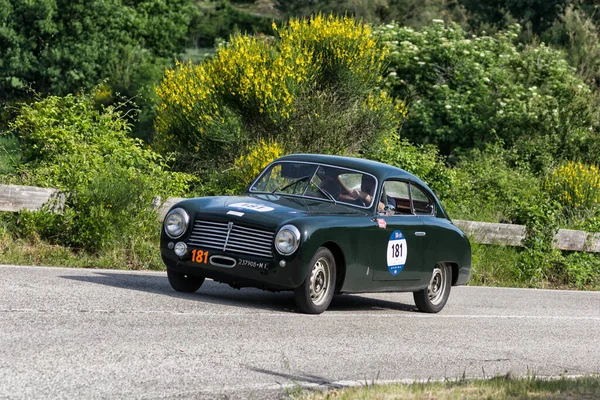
(327, 194)
(289, 185)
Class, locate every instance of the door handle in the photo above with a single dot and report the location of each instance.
(420, 233)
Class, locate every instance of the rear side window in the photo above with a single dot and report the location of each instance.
(396, 193)
(421, 202)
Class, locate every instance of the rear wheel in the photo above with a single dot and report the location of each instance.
(183, 282)
(316, 292)
(433, 298)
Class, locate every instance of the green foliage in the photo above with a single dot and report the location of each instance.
(413, 13)
(489, 186)
(137, 252)
(313, 87)
(540, 261)
(60, 46)
(494, 265)
(108, 178)
(424, 161)
(582, 270)
(539, 13)
(9, 156)
(467, 91)
(219, 19)
(577, 34)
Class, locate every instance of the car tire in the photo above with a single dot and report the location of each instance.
(314, 295)
(183, 282)
(434, 297)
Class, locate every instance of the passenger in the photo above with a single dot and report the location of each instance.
(365, 195)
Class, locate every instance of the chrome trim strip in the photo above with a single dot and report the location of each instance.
(229, 226)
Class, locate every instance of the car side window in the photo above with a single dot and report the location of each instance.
(421, 202)
(396, 197)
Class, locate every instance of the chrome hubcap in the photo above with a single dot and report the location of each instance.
(437, 286)
(320, 277)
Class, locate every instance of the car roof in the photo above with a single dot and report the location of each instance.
(380, 170)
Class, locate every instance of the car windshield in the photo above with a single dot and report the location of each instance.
(323, 182)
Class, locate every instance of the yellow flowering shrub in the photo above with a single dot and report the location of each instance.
(313, 87)
(575, 185)
(255, 158)
(337, 44)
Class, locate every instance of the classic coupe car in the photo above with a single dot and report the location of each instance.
(320, 225)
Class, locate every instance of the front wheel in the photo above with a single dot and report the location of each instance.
(183, 282)
(433, 298)
(316, 292)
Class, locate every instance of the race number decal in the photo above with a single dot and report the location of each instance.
(252, 206)
(396, 252)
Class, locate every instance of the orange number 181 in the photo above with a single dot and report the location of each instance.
(200, 256)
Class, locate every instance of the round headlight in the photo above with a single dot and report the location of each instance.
(176, 223)
(287, 240)
(181, 249)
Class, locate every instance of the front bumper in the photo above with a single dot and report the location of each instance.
(264, 273)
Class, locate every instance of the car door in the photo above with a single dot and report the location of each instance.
(424, 208)
(399, 240)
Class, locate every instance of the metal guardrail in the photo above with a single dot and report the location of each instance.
(14, 198)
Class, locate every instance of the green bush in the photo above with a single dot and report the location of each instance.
(9, 156)
(108, 179)
(539, 14)
(466, 91)
(577, 34)
(424, 161)
(219, 19)
(489, 186)
(411, 13)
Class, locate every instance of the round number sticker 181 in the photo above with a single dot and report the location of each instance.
(396, 252)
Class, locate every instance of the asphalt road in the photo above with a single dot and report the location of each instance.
(74, 333)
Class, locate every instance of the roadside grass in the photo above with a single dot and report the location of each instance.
(494, 265)
(135, 255)
(9, 154)
(502, 387)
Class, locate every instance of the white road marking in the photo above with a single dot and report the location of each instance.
(369, 314)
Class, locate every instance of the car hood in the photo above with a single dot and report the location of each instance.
(267, 209)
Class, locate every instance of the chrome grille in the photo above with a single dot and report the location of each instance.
(232, 237)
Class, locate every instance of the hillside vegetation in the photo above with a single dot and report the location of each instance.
(493, 103)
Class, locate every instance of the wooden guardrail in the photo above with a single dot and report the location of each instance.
(15, 198)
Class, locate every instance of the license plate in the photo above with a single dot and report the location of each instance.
(253, 264)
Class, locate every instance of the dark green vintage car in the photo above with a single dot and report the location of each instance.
(320, 225)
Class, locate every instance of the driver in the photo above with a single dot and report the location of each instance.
(367, 186)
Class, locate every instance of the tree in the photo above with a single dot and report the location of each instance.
(540, 13)
(465, 91)
(61, 46)
(414, 13)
